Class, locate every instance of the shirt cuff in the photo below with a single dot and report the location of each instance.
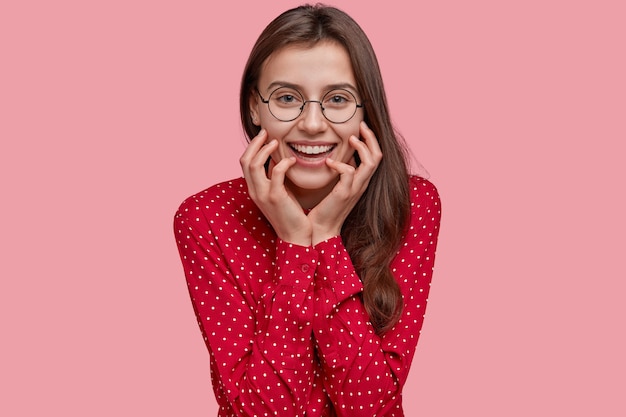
(336, 280)
(295, 264)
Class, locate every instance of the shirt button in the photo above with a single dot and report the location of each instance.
(304, 268)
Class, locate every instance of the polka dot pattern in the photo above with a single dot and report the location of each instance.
(284, 325)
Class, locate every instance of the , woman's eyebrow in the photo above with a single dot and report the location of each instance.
(278, 84)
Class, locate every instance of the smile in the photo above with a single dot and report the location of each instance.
(312, 150)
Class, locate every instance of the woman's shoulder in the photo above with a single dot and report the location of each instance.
(423, 194)
(227, 195)
(421, 187)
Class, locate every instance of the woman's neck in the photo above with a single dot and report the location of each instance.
(308, 199)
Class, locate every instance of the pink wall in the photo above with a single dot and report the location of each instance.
(112, 112)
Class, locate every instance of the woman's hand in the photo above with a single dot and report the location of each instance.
(277, 204)
(328, 216)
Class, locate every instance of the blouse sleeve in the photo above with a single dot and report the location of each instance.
(364, 373)
(261, 351)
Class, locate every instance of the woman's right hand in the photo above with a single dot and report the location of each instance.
(270, 194)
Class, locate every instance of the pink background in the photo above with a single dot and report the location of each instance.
(112, 112)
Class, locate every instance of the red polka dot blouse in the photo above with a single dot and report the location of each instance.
(284, 325)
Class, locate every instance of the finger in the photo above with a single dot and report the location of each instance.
(253, 148)
(346, 172)
(255, 170)
(368, 149)
(256, 154)
(341, 167)
(370, 139)
(259, 160)
(369, 161)
(367, 133)
(277, 180)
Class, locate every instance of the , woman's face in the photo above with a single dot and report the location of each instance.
(311, 138)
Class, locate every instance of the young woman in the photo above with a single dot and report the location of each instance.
(309, 276)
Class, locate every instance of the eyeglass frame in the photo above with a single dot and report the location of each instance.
(304, 102)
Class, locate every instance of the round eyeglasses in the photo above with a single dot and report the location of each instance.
(287, 104)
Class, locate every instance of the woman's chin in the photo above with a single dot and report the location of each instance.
(325, 179)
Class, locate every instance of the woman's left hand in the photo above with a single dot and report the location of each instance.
(328, 216)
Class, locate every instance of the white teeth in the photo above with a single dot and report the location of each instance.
(312, 150)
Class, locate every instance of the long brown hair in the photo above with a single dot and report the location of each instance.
(373, 231)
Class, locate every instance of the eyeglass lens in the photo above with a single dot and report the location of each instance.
(286, 104)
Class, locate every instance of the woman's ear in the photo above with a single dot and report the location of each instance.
(254, 108)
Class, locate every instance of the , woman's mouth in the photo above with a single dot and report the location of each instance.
(312, 152)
